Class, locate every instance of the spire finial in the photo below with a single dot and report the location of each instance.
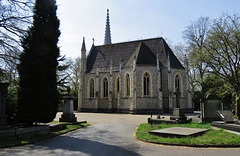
(83, 50)
(107, 39)
(83, 45)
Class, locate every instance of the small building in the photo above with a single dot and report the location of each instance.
(132, 77)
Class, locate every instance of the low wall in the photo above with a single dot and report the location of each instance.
(21, 132)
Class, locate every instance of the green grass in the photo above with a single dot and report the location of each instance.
(211, 137)
(13, 141)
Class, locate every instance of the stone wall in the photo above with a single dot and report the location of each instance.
(185, 97)
(161, 96)
(147, 105)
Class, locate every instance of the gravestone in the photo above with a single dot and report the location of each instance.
(209, 109)
(3, 97)
(226, 116)
(68, 115)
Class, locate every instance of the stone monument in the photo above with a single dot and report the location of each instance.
(178, 113)
(227, 122)
(226, 116)
(68, 115)
(209, 110)
(3, 97)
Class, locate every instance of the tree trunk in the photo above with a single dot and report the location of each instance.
(238, 104)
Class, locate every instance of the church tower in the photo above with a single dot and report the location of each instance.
(107, 39)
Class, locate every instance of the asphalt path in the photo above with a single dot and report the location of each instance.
(109, 134)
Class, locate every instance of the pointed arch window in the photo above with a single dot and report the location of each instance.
(146, 84)
(105, 87)
(127, 85)
(177, 83)
(91, 88)
(117, 86)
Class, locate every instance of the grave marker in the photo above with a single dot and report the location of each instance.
(226, 116)
(178, 132)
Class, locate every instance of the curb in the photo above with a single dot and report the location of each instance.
(187, 145)
(33, 142)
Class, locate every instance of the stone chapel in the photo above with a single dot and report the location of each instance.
(132, 77)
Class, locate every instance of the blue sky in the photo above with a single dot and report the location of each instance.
(132, 20)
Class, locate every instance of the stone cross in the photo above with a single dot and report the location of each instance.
(177, 93)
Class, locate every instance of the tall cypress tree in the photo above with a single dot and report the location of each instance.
(38, 96)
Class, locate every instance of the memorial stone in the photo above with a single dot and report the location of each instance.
(178, 132)
(178, 113)
(209, 108)
(226, 116)
(68, 115)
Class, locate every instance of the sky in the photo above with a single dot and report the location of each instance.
(132, 20)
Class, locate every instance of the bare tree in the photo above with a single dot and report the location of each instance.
(195, 36)
(74, 69)
(181, 52)
(68, 75)
(15, 17)
(62, 74)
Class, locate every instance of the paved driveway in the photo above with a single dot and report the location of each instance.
(110, 134)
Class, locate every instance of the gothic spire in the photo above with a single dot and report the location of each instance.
(107, 39)
(83, 50)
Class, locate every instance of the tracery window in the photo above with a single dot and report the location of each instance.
(117, 86)
(105, 87)
(146, 84)
(127, 85)
(91, 88)
(177, 83)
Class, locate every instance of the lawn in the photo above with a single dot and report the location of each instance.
(210, 138)
(13, 141)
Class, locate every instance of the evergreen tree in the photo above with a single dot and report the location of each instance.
(38, 96)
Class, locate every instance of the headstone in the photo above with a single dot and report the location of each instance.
(68, 115)
(226, 116)
(209, 109)
(3, 97)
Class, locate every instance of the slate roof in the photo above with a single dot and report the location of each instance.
(145, 52)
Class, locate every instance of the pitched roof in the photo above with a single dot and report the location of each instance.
(145, 56)
(144, 51)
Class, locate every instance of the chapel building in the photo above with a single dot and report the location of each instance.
(140, 76)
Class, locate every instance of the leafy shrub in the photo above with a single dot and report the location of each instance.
(12, 102)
